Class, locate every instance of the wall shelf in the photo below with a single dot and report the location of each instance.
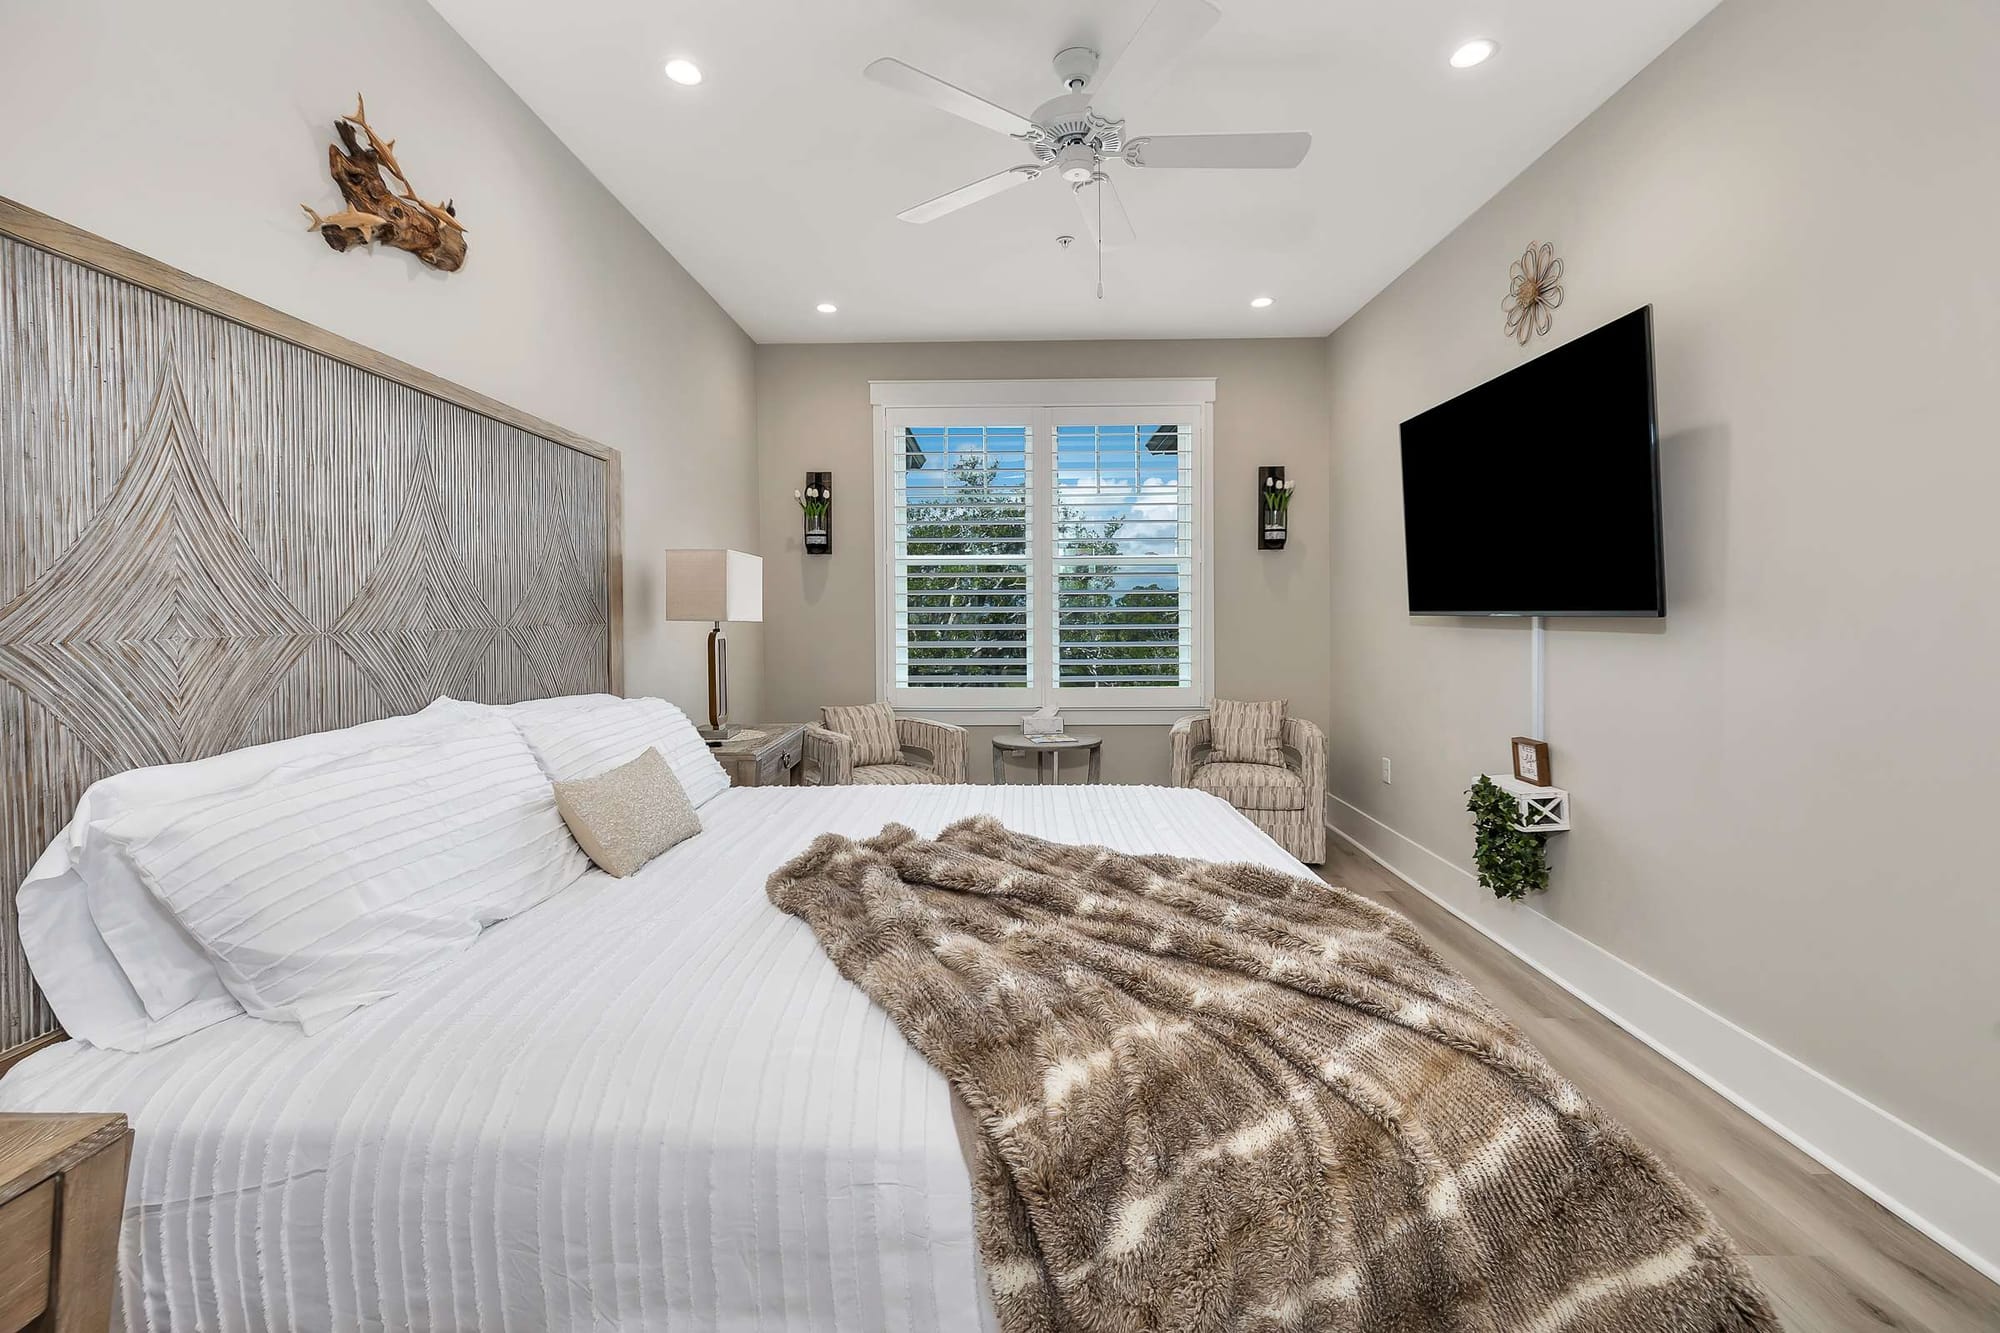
(1543, 809)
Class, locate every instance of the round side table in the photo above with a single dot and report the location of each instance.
(1048, 756)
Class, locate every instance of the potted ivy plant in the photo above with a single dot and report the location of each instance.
(1511, 861)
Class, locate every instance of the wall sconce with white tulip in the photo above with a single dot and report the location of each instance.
(1274, 508)
(816, 504)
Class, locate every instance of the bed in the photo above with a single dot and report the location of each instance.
(643, 1103)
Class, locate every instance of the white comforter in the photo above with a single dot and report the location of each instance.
(646, 1103)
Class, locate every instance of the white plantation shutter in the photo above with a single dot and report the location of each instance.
(1045, 551)
(1123, 558)
(962, 515)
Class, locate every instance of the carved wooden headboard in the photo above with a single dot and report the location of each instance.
(220, 525)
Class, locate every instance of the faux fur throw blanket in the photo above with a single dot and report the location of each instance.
(1216, 1097)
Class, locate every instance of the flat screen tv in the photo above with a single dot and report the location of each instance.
(1538, 493)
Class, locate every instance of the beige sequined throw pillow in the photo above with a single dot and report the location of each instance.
(872, 728)
(626, 816)
(1246, 733)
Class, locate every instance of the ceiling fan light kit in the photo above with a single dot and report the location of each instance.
(1073, 137)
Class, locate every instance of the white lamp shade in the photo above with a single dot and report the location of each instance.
(714, 585)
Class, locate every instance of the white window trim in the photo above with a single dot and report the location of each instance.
(1040, 396)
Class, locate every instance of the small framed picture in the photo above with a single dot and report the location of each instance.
(1531, 762)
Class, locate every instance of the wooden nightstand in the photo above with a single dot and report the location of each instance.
(770, 758)
(62, 1197)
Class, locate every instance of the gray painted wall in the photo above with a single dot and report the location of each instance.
(1271, 606)
(193, 131)
(1783, 791)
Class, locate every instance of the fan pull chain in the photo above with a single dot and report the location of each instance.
(1100, 239)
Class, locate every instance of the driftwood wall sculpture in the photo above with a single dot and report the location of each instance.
(218, 529)
(376, 212)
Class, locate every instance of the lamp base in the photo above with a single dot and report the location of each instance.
(718, 729)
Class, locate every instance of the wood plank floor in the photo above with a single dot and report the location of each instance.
(1832, 1259)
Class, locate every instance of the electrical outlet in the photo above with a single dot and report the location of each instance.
(1385, 769)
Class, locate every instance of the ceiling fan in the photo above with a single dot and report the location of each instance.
(1073, 136)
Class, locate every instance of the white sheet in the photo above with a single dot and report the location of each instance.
(645, 1103)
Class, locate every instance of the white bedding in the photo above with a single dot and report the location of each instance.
(645, 1103)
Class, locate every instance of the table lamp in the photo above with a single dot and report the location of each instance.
(715, 586)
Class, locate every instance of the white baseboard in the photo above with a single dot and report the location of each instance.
(1936, 1189)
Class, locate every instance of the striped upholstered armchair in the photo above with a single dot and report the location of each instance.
(868, 743)
(1269, 766)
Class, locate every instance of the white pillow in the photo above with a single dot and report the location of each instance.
(328, 885)
(166, 967)
(80, 977)
(582, 735)
(115, 966)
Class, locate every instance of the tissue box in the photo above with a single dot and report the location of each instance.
(1041, 726)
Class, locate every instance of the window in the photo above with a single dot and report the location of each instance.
(963, 575)
(1045, 544)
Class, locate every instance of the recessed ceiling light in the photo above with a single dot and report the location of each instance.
(1259, 302)
(685, 71)
(826, 308)
(1475, 52)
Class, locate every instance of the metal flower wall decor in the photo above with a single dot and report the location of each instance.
(1536, 289)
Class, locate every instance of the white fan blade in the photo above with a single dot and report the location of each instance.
(904, 79)
(1219, 150)
(1117, 226)
(1164, 36)
(932, 209)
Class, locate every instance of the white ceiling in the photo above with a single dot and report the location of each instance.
(777, 180)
